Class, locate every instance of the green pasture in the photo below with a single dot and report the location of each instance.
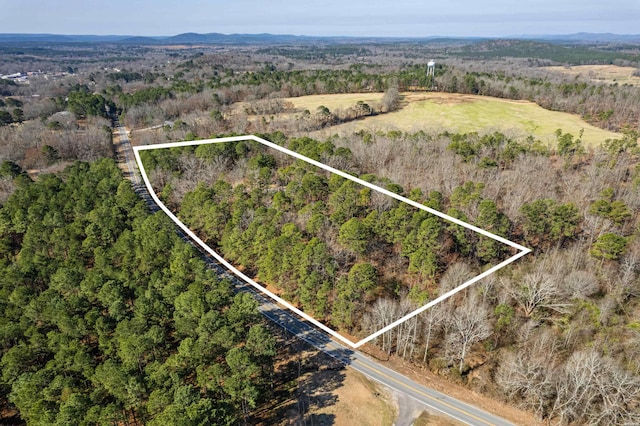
(466, 113)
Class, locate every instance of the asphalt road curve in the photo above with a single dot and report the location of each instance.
(432, 399)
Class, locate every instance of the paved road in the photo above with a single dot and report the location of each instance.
(125, 157)
(433, 399)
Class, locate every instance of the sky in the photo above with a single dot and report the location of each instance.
(390, 18)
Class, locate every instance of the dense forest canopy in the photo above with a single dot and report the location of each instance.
(108, 317)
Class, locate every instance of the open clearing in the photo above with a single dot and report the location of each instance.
(609, 74)
(359, 401)
(335, 101)
(457, 113)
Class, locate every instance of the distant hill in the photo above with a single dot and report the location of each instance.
(140, 40)
(217, 38)
(186, 38)
(21, 38)
(60, 38)
(569, 52)
(239, 39)
(585, 37)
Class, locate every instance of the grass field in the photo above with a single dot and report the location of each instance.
(603, 73)
(333, 102)
(459, 113)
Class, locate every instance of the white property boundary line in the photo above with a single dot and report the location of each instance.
(522, 250)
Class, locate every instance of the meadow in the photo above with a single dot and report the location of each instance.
(457, 113)
(609, 74)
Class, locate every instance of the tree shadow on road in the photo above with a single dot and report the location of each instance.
(304, 382)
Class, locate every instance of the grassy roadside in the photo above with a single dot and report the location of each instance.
(313, 388)
(360, 402)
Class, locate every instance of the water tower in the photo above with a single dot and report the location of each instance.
(431, 68)
(431, 72)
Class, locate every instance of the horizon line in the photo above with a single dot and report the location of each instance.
(325, 36)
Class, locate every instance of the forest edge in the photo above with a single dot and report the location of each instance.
(522, 251)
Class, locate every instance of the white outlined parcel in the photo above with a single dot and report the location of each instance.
(521, 250)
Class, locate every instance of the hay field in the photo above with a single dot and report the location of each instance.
(335, 101)
(458, 113)
(609, 74)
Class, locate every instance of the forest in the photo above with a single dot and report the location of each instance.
(328, 243)
(108, 317)
(359, 261)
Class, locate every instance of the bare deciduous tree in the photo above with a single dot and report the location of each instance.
(390, 100)
(457, 274)
(581, 284)
(469, 325)
(381, 314)
(526, 376)
(592, 389)
(431, 321)
(537, 289)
